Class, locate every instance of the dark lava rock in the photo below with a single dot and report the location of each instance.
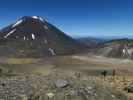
(129, 88)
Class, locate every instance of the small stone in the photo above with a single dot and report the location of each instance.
(3, 84)
(113, 96)
(50, 95)
(89, 87)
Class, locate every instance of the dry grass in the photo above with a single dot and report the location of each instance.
(21, 61)
(94, 61)
(68, 60)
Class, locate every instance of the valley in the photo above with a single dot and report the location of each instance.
(82, 67)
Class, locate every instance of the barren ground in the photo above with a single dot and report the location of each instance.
(88, 65)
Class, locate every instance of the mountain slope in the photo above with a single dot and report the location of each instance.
(33, 36)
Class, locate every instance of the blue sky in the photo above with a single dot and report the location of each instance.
(75, 17)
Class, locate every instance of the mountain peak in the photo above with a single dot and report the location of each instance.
(33, 18)
(28, 19)
(26, 27)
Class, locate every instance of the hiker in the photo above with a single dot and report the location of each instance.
(114, 73)
(0, 71)
(104, 74)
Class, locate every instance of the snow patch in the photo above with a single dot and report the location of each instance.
(33, 36)
(124, 51)
(46, 27)
(41, 19)
(35, 17)
(45, 41)
(10, 33)
(52, 51)
(24, 38)
(17, 23)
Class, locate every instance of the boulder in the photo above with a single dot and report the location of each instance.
(129, 88)
(61, 83)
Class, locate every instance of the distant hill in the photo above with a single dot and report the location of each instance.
(91, 42)
(118, 48)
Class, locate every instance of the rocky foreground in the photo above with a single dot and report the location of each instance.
(55, 87)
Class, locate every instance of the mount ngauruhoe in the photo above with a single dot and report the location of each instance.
(32, 36)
